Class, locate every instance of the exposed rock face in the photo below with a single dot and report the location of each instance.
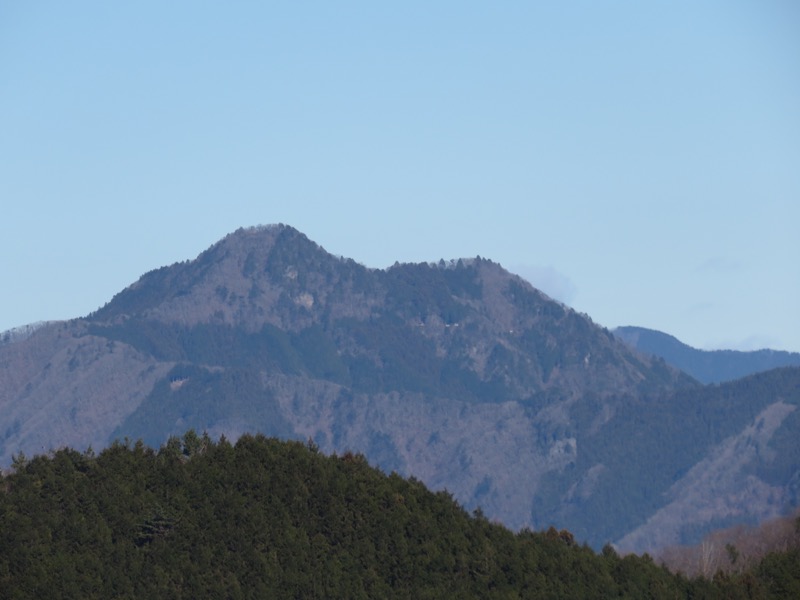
(460, 374)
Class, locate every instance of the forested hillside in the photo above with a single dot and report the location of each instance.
(270, 519)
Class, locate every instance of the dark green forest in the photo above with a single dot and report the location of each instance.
(271, 519)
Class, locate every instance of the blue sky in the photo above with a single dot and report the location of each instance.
(639, 161)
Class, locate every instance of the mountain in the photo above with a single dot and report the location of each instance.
(459, 373)
(707, 366)
(709, 458)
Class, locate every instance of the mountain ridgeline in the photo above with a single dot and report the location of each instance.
(280, 302)
(707, 366)
(458, 373)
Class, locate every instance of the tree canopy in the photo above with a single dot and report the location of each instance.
(266, 518)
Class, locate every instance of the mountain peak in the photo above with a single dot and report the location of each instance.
(259, 235)
(239, 279)
(471, 312)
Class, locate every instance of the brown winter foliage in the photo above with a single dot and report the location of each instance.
(734, 550)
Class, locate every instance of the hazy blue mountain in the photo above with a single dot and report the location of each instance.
(707, 366)
(459, 373)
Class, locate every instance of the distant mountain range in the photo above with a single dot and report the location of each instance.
(707, 366)
(459, 373)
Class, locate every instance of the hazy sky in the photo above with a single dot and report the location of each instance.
(638, 160)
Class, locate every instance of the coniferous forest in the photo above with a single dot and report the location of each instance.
(270, 519)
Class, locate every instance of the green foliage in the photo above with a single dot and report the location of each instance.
(264, 518)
